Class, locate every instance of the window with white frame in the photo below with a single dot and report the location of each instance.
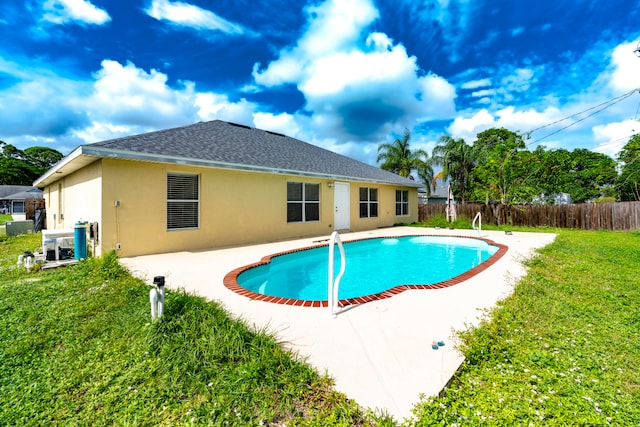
(402, 202)
(303, 202)
(183, 201)
(368, 202)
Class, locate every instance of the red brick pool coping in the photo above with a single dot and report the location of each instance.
(231, 279)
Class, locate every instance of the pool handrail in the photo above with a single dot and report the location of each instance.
(334, 283)
(473, 224)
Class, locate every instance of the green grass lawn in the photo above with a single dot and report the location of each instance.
(3, 220)
(77, 348)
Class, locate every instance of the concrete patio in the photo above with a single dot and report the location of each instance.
(380, 353)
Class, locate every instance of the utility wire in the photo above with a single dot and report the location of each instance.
(604, 106)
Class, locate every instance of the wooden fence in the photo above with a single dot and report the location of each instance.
(587, 216)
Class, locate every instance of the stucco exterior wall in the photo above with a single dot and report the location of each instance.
(76, 197)
(129, 200)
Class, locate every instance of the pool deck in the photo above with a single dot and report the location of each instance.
(380, 353)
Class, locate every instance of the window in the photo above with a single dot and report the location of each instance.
(183, 201)
(303, 202)
(402, 202)
(18, 207)
(368, 202)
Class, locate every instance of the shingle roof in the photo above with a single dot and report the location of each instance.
(24, 195)
(9, 190)
(236, 146)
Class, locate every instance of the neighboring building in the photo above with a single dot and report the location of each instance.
(437, 196)
(20, 201)
(217, 184)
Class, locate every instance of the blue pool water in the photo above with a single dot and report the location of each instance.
(373, 266)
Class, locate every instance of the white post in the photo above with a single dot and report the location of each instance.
(153, 299)
(156, 297)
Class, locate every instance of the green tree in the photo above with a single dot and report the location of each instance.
(584, 174)
(502, 171)
(628, 183)
(399, 158)
(457, 159)
(42, 157)
(19, 167)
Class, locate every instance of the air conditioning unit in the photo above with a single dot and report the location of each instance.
(57, 245)
(13, 228)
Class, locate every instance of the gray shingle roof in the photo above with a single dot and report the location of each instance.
(231, 145)
(11, 190)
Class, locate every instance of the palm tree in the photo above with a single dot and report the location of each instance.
(457, 159)
(399, 158)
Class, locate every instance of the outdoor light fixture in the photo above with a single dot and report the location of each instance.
(330, 184)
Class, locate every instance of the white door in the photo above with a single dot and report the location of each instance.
(342, 213)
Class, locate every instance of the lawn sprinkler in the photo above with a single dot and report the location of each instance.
(156, 297)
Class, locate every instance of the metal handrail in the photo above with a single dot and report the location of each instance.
(473, 224)
(334, 283)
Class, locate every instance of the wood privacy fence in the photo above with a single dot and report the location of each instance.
(586, 216)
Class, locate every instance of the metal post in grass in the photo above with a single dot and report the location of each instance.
(156, 297)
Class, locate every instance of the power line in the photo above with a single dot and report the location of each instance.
(604, 106)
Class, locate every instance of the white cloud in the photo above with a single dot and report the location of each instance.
(468, 128)
(188, 15)
(78, 11)
(334, 26)
(40, 103)
(283, 123)
(483, 93)
(130, 95)
(516, 120)
(119, 100)
(475, 84)
(213, 106)
(625, 69)
(613, 136)
(357, 85)
(100, 131)
(519, 81)
(525, 120)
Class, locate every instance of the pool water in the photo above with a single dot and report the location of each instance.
(373, 266)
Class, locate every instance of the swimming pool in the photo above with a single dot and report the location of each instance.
(376, 268)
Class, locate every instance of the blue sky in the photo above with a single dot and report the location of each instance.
(346, 75)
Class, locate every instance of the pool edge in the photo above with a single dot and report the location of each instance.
(230, 280)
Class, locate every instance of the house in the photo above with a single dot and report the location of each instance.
(218, 184)
(20, 201)
(437, 196)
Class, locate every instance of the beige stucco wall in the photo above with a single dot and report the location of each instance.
(236, 207)
(75, 197)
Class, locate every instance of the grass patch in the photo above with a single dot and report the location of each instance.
(464, 224)
(441, 222)
(77, 348)
(562, 350)
(5, 218)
